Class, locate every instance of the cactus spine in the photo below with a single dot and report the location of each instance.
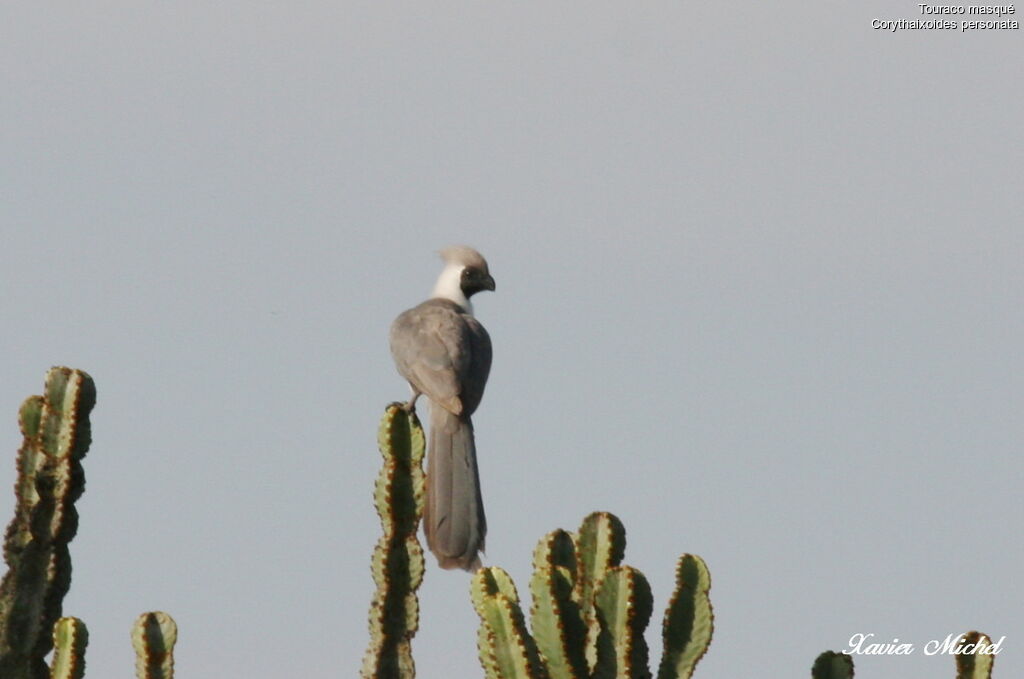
(56, 433)
(589, 612)
(397, 563)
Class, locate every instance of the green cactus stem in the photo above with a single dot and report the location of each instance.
(977, 663)
(56, 432)
(507, 651)
(556, 618)
(397, 563)
(689, 621)
(600, 546)
(832, 665)
(589, 612)
(153, 637)
(70, 637)
(624, 605)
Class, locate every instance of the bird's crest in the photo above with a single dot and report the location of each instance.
(463, 255)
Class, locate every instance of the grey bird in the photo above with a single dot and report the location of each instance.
(445, 354)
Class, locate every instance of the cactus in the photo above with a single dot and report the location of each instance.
(153, 636)
(56, 434)
(397, 563)
(978, 663)
(506, 647)
(624, 604)
(689, 622)
(832, 665)
(589, 612)
(601, 544)
(70, 637)
(556, 617)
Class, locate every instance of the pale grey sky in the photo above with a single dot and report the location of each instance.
(759, 294)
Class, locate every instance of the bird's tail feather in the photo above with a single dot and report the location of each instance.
(454, 515)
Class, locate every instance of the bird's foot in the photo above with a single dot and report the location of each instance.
(410, 406)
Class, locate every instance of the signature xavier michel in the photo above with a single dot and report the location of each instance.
(953, 644)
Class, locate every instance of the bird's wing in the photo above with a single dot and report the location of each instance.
(477, 366)
(432, 350)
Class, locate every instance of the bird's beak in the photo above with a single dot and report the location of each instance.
(489, 283)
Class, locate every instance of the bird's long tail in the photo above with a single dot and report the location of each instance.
(454, 516)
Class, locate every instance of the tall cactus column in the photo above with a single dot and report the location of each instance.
(55, 427)
(397, 563)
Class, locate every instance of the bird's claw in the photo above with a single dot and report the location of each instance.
(408, 407)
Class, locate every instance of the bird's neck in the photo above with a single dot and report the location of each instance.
(449, 286)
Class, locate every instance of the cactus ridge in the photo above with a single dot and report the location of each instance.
(689, 620)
